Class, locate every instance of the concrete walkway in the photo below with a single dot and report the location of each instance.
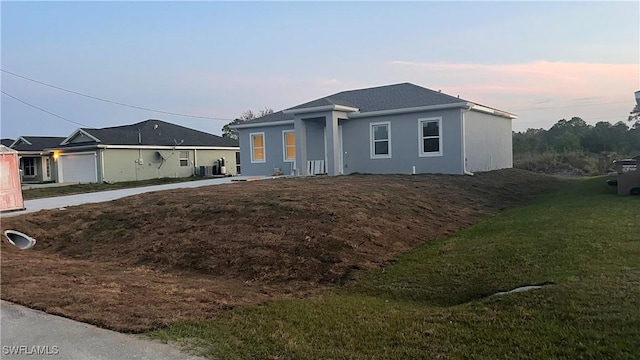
(102, 196)
(32, 334)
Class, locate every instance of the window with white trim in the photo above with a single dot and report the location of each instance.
(430, 137)
(184, 158)
(289, 145)
(380, 140)
(258, 154)
(29, 167)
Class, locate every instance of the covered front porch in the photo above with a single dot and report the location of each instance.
(318, 139)
(36, 168)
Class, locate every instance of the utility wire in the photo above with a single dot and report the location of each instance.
(43, 110)
(111, 101)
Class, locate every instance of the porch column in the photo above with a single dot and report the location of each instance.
(333, 143)
(300, 128)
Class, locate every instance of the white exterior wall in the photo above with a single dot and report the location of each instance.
(488, 142)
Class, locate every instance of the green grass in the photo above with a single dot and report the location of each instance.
(88, 188)
(434, 302)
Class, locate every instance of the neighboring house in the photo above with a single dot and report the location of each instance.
(400, 128)
(146, 150)
(35, 161)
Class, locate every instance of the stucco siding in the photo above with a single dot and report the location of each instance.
(404, 145)
(125, 164)
(488, 142)
(315, 139)
(274, 151)
(210, 157)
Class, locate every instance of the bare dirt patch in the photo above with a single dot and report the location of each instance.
(149, 260)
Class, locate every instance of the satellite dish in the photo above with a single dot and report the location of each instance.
(19, 240)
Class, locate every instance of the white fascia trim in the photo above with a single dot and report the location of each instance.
(491, 111)
(321, 109)
(409, 110)
(269, 123)
(18, 139)
(421, 152)
(372, 141)
(79, 131)
(167, 147)
(79, 153)
(34, 153)
(144, 147)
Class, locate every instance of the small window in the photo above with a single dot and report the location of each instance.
(380, 135)
(184, 158)
(289, 145)
(29, 167)
(238, 162)
(430, 137)
(257, 148)
(48, 167)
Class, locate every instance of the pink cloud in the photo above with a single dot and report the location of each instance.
(551, 78)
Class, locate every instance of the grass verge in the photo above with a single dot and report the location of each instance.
(37, 193)
(434, 302)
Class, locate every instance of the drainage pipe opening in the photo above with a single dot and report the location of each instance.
(19, 240)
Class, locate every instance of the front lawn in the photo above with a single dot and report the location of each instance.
(435, 302)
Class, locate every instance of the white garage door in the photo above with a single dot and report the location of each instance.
(76, 168)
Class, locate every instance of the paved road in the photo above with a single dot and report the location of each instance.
(102, 196)
(31, 334)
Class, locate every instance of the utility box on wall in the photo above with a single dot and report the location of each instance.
(10, 187)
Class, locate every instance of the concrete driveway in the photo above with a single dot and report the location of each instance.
(31, 334)
(102, 196)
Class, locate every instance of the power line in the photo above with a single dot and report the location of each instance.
(43, 110)
(111, 101)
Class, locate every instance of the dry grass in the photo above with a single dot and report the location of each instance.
(153, 259)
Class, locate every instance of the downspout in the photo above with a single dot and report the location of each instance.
(102, 163)
(195, 161)
(464, 141)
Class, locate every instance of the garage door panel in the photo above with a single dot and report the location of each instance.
(77, 168)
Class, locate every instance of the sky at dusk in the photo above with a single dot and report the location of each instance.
(543, 61)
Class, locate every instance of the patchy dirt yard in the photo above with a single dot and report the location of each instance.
(149, 260)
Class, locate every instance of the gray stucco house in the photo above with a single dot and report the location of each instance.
(394, 129)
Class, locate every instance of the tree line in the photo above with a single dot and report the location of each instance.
(575, 135)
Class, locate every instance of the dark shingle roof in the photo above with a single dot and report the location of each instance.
(277, 116)
(156, 132)
(389, 97)
(6, 142)
(38, 143)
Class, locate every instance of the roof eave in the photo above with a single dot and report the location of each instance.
(73, 134)
(410, 110)
(496, 112)
(262, 124)
(320, 109)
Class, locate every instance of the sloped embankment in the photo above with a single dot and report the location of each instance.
(152, 259)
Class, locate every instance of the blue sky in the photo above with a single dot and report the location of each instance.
(543, 61)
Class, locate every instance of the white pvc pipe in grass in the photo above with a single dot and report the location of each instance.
(19, 240)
